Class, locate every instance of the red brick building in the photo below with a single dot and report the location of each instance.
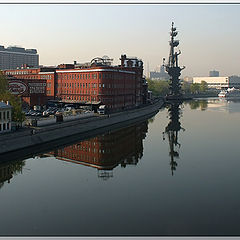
(25, 73)
(117, 87)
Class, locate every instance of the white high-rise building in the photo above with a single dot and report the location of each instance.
(16, 57)
(219, 82)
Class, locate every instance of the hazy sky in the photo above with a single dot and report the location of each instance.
(209, 34)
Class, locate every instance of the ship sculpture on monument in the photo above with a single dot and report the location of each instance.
(172, 68)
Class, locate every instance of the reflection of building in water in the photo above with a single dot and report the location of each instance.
(106, 151)
(216, 104)
(7, 170)
(172, 129)
(223, 105)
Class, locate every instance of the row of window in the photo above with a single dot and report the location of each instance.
(17, 72)
(48, 77)
(4, 126)
(88, 85)
(5, 115)
(78, 76)
(72, 76)
(93, 85)
(78, 157)
(76, 92)
(81, 98)
(86, 76)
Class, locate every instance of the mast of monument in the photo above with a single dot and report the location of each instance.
(172, 68)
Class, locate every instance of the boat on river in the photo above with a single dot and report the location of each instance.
(230, 93)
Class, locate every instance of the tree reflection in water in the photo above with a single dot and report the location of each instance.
(202, 104)
(8, 169)
(172, 129)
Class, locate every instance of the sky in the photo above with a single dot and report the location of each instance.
(209, 33)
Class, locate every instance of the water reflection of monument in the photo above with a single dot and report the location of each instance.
(107, 151)
(172, 129)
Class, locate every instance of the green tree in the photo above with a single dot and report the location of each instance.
(158, 88)
(3, 84)
(195, 88)
(186, 87)
(203, 86)
(15, 101)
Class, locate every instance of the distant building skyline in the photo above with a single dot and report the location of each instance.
(14, 57)
(206, 43)
(161, 75)
(214, 73)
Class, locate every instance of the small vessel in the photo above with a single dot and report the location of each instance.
(230, 93)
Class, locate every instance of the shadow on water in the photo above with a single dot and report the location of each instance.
(171, 130)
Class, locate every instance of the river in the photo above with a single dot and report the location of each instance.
(175, 174)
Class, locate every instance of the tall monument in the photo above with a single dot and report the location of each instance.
(172, 68)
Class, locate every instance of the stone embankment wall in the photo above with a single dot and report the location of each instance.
(65, 119)
(23, 140)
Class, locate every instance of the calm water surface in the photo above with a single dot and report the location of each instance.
(175, 174)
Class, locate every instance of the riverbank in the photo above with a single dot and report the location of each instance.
(58, 133)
